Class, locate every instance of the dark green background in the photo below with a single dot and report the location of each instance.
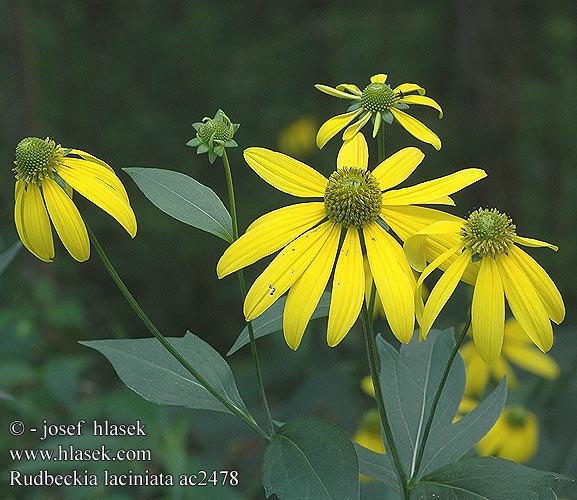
(125, 80)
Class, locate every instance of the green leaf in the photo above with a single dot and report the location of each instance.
(487, 478)
(410, 379)
(311, 459)
(152, 372)
(376, 466)
(184, 199)
(8, 255)
(271, 321)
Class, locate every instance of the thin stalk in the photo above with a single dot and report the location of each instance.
(373, 356)
(245, 417)
(242, 285)
(437, 397)
(381, 143)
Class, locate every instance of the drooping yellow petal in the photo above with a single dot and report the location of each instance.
(285, 173)
(405, 88)
(100, 171)
(353, 129)
(304, 295)
(348, 288)
(477, 371)
(415, 246)
(532, 360)
(101, 192)
(416, 128)
(89, 157)
(335, 92)
(268, 234)
(377, 124)
(32, 223)
(67, 220)
(334, 125)
(354, 153)
(442, 291)
(531, 242)
(285, 269)
(488, 311)
(435, 190)
(525, 303)
(380, 78)
(422, 100)
(396, 168)
(393, 284)
(542, 282)
(351, 87)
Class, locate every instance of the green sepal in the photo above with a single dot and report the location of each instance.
(387, 116)
(203, 148)
(193, 142)
(401, 105)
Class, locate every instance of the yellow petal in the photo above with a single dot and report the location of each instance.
(434, 190)
(415, 246)
(354, 153)
(304, 295)
(422, 100)
(476, 369)
(377, 124)
(542, 282)
(32, 221)
(380, 78)
(488, 311)
(405, 88)
(353, 89)
(525, 303)
(532, 360)
(353, 129)
(442, 291)
(335, 92)
(396, 168)
(416, 128)
(285, 269)
(67, 220)
(89, 157)
(393, 284)
(285, 173)
(101, 191)
(531, 242)
(268, 234)
(100, 171)
(348, 288)
(334, 125)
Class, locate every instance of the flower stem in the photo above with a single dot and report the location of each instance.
(373, 356)
(242, 285)
(427, 430)
(244, 416)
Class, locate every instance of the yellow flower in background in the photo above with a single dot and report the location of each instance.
(309, 234)
(515, 436)
(46, 175)
(379, 102)
(518, 350)
(298, 137)
(368, 434)
(483, 250)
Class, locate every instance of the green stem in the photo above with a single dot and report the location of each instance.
(381, 143)
(245, 417)
(436, 399)
(373, 356)
(243, 291)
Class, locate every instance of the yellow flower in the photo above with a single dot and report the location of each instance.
(46, 175)
(378, 101)
(310, 234)
(368, 433)
(517, 349)
(298, 137)
(514, 436)
(483, 251)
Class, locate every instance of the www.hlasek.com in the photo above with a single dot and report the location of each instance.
(74, 454)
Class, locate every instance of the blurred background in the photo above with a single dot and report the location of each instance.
(125, 80)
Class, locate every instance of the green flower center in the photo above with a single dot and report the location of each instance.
(488, 232)
(214, 131)
(352, 197)
(378, 97)
(36, 160)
